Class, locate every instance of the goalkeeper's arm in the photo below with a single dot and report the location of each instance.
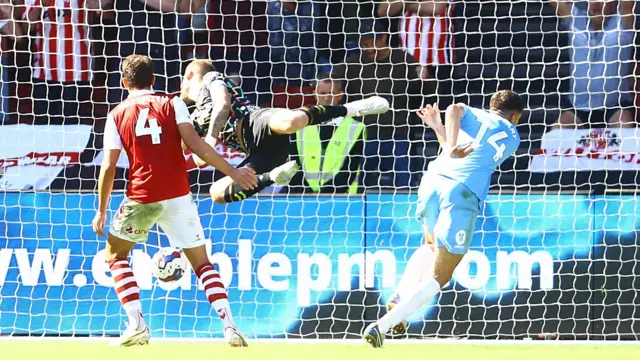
(216, 117)
(245, 176)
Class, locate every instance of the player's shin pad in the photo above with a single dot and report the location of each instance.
(235, 192)
(321, 113)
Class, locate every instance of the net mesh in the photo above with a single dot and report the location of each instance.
(555, 245)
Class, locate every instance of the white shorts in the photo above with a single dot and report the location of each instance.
(177, 217)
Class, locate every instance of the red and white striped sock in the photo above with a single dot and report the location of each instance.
(216, 293)
(128, 291)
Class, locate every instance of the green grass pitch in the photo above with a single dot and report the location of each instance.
(69, 350)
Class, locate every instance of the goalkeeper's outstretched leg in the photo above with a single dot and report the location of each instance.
(266, 132)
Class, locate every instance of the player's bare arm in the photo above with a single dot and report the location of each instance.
(33, 15)
(452, 118)
(97, 4)
(244, 176)
(430, 115)
(178, 6)
(11, 30)
(218, 115)
(563, 9)
(627, 12)
(220, 108)
(105, 186)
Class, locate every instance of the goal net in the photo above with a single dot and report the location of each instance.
(555, 247)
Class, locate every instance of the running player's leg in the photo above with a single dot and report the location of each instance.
(452, 241)
(286, 122)
(181, 223)
(416, 270)
(418, 266)
(131, 225)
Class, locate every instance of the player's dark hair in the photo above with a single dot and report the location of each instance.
(138, 70)
(201, 67)
(507, 101)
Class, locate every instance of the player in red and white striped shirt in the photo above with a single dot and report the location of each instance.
(62, 61)
(426, 32)
(426, 29)
(151, 127)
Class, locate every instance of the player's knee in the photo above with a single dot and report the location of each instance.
(111, 253)
(622, 118)
(218, 197)
(290, 122)
(299, 120)
(442, 276)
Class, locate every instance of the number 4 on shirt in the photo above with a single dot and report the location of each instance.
(153, 129)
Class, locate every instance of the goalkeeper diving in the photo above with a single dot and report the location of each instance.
(224, 115)
(474, 143)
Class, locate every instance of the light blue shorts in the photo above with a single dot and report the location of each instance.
(447, 210)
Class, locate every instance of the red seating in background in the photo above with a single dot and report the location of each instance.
(291, 97)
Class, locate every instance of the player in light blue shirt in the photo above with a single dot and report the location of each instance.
(474, 143)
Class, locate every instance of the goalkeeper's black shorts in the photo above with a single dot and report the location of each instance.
(266, 150)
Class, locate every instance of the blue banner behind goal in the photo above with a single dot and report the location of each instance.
(324, 267)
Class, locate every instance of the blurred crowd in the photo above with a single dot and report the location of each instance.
(60, 60)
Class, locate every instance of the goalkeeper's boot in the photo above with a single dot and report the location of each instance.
(283, 174)
(373, 336)
(234, 338)
(401, 327)
(132, 336)
(369, 106)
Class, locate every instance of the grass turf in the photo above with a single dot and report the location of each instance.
(67, 350)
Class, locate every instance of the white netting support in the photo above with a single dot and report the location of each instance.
(555, 244)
